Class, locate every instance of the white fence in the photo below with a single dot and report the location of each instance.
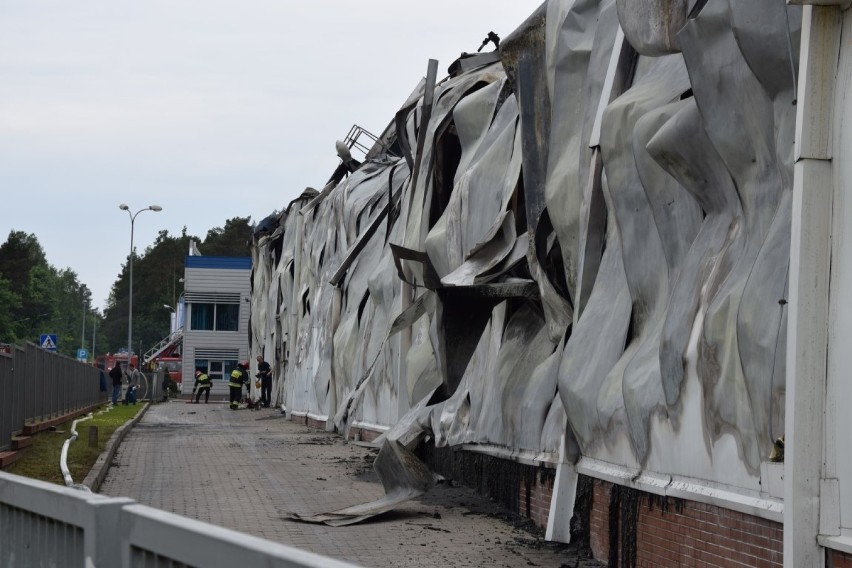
(48, 525)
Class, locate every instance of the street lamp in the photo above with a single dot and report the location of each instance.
(124, 207)
(83, 334)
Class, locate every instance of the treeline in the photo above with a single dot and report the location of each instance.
(39, 298)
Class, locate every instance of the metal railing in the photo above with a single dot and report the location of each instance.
(38, 385)
(353, 140)
(48, 525)
(171, 339)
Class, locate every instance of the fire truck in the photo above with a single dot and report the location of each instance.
(110, 360)
(171, 362)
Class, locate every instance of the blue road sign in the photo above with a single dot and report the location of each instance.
(82, 354)
(47, 341)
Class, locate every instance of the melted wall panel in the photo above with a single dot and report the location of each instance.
(595, 245)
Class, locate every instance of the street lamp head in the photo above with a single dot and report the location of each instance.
(124, 207)
(155, 208)
(168, 307)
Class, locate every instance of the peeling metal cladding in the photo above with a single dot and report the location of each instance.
(772, 55)
(507, 353)
(485, 180)
(284, 389)
(529, 393)
(527, 40)
(672, 230)
(356, 330)
(700, 171)
(312, 365)
(577, 50)
(591, 398)
(372, 292)
(647, 268)
(266, 328)
(651, 26)
(262, 329)
(423, 199)
(419, 202)
(751, 130)
(403, 477)
(524, 56)
(523, 345)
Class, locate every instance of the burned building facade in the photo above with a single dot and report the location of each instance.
(572, 253)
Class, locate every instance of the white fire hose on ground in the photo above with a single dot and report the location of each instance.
(63, 457)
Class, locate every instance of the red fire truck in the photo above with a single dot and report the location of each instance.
(110, 360)
(171, 362)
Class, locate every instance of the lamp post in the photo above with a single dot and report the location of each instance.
(124, 207)
(83, 334)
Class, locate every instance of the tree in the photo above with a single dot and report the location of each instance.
(12, 303)
(24, 265)
(40, 298)
(233, 240)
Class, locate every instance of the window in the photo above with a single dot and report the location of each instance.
(217, 370)
(214, 317)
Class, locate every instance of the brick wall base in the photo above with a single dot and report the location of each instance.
(633, 528)
(621, 526)
(834, 559)
(363, 434)
(522, 489)
(308, 421)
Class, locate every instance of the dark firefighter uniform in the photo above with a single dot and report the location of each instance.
(202, 383)
(239, 377)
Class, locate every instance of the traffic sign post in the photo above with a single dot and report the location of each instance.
(82, 355)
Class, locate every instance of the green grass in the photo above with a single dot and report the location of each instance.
(41, 459)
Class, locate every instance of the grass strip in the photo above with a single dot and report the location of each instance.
(41, 459)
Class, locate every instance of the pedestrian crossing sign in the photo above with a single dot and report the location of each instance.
(47, 341)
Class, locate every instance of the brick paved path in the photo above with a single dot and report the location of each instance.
(244, 469)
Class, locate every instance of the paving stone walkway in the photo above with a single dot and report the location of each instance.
(243, 470)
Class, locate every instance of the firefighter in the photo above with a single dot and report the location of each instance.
(239, 377)
(202, 383)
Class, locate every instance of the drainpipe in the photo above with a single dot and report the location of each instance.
(810, 255)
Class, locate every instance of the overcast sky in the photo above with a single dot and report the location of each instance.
(211, 109)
